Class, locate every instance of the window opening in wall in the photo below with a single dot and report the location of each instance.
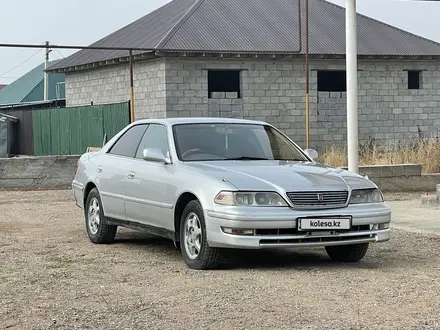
(224, 84)
(332, 81)
(414, 78)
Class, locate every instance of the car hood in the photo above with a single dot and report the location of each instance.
(281, 175)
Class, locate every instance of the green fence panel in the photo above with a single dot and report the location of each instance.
(46, 140)
(75, 130)
(36, 123)
(114, 119)
(69, 131)
(55, 122)
(92, 124)
(65, 132)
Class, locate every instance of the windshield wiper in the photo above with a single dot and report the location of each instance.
(247, 158)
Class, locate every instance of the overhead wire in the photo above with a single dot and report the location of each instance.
(18, 65)
(56, 49)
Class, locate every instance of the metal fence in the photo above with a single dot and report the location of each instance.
(69, 131)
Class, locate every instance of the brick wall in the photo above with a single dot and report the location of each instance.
(389, 112)
(269, 95)
(186, 89)
(150, 89)
(109, 85)
(112, 84)
(223, 104)
(274, 91)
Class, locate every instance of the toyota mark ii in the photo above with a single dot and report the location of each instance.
(211, 184)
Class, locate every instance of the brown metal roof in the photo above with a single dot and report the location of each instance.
(255, 26)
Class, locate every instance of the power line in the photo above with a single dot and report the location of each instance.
(56, 57)
(15, 67)
(56, 49)
(145, 49)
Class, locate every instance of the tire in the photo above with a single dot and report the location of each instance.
(98, 230)
(347, 253)
(192, 227)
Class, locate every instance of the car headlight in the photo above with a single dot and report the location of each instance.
(360, 196)
(243, 198)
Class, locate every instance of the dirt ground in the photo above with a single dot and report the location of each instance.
(52, 277)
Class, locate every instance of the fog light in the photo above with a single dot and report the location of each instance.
(238, 231)
(383, 226)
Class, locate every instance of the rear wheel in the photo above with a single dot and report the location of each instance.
(98, 230)
(193, 243)
(347, 253)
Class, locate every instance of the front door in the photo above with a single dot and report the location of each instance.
(147, 201)
(113, 171)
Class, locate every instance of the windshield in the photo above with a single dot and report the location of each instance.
(209, 142)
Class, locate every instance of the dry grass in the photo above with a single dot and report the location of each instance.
(421, 151)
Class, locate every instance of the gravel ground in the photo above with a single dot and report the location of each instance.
(52, 277)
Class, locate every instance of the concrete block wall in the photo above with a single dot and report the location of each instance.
(150, 89)
(107, 85)
(389, 112)
(187, 91)
(272, 96)
(112, 84)
(274, 91)
(225, 104)
(29, 172)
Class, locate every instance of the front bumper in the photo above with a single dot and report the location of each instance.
(282, 223)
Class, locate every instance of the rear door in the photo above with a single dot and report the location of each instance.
(113, 170)
(147, 201)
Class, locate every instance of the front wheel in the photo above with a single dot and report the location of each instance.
(193, 243)
(98, 230)
(347, 253)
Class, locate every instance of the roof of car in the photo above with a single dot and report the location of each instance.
(200, 120)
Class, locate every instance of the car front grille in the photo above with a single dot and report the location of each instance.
(294, 231)
(284, 237)
(317, 199)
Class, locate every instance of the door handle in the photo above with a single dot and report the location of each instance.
(131, 176)
(99, 169)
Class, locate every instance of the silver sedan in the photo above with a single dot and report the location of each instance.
(211, 183)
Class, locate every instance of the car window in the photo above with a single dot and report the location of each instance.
(210, 142)
(128, 143)
(281, 147)
(155, 137)
(262, 139)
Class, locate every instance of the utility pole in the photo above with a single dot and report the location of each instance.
(46, 75)
(131, 86)
(307, 78)
(352, 88)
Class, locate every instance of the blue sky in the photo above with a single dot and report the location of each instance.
(81, 22)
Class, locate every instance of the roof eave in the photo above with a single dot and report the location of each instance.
(100, 64)
(230, 54)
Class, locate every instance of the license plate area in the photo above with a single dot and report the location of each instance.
(325, 223)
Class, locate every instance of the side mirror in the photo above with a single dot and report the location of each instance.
(312, 153)
(155, 155)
